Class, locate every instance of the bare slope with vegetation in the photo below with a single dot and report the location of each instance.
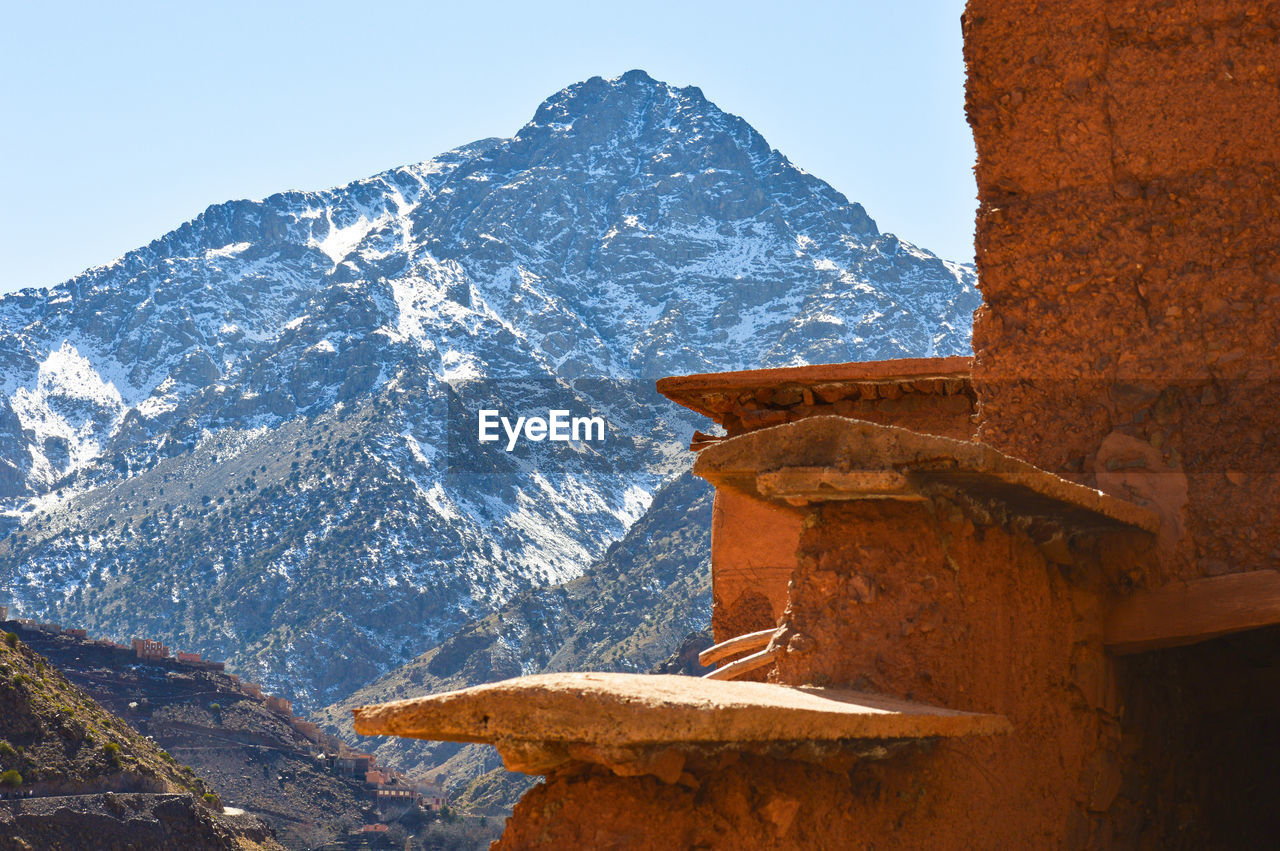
(73, 772)
(256, 757)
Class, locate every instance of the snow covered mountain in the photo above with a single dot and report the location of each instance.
(251, 436)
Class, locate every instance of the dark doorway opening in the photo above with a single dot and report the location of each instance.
(1203, 723)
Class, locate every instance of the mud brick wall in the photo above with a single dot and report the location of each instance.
(941, 604)
(753, 543)
(753, 554)
(1128, 248)
(745, 802)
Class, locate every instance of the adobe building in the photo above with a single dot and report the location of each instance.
(149, 648)
(1028, 600)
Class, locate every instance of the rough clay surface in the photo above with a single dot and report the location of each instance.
(975, 616)
(753, 542)
(1127, 247)
(745, 802)
(932, 395)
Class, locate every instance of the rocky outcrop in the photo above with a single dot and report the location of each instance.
(122, 822)
(258, 759)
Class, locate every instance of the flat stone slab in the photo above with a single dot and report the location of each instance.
(660, 709)
(829, 458)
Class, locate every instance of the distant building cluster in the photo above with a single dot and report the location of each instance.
(390, 788)
(53, 628)
(152, 650)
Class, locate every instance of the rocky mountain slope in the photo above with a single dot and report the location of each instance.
(73, 774)
(255, 436)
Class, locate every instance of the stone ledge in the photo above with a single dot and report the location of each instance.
(650, 723)
(832, 458)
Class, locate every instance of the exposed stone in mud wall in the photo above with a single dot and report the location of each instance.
(933, 411)
(747, 802)
(1128, 248)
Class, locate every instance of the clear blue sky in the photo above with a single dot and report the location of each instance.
(122, 120)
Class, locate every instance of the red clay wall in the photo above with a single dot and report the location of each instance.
(753, 552)
(1128, 250)
(919, 601)
(753, 543)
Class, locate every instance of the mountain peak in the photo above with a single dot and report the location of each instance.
(635, 125)
(623, 99)
(637, 75)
